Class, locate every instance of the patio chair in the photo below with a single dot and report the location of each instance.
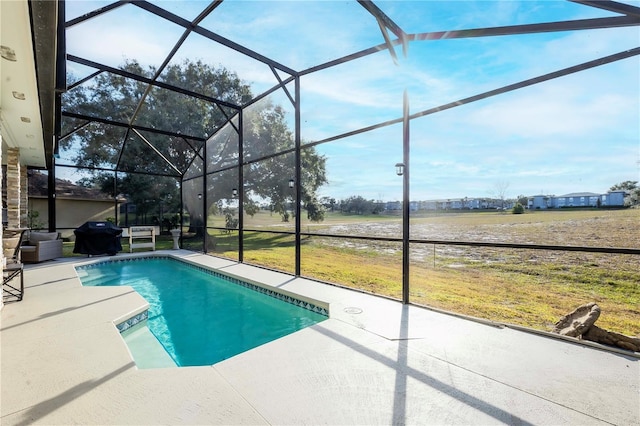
(41, 246)
(11, 241)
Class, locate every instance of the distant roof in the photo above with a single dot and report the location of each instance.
(580, 194)
(38, 184)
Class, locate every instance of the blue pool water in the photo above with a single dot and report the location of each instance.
(200, 318)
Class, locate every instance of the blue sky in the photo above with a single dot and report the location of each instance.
(574, 134)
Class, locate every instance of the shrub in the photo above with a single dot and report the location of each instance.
(518, 209)
(33, 221)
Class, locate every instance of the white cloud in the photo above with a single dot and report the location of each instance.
(539, 115)
(124, 33)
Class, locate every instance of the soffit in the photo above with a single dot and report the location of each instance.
(19, 101)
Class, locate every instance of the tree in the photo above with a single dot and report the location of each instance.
(627, 185)
(150, 164)
(328, 203)
(500, 191)
(265, 134)
(358, 205)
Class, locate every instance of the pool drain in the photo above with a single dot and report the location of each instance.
(353, 310)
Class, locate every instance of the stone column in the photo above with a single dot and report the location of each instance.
(24, 197)
(2, 251)
(13, 188)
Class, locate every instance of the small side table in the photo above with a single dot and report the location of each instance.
(9, 292)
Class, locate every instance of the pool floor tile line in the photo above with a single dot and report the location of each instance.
(374, 361)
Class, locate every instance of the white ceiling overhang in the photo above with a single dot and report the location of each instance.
(27, 79)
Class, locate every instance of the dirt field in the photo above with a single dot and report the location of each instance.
(599, 228)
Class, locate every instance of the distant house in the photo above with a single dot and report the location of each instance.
(453, 204)
(613, 198)
(475, 203)
(540, 202)
(456, 204)
(578, 199)
(397, 205)
(393, 205)
(74, 204)
(427, 205)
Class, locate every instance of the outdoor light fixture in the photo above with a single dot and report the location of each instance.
(399, 169)
(8, 53)
(199, 196)
(292, 183)
(234, 192)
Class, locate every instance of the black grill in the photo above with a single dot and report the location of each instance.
(95, 238)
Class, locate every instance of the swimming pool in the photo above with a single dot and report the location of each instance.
(201, 317)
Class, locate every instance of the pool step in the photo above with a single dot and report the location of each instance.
(147, 352)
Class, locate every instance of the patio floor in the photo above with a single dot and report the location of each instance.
(63, 362)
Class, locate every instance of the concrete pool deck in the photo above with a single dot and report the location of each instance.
(374, 361)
